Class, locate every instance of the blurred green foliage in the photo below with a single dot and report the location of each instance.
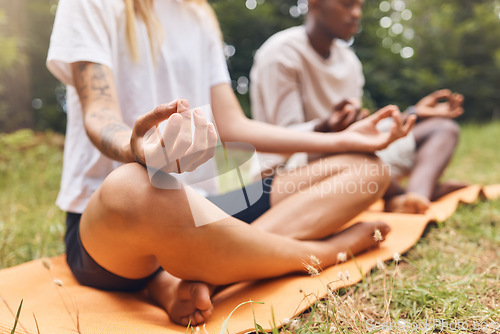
(8, 55)
(44, 86)
(456, 45)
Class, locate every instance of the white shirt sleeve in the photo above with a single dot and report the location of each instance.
(218, 66)
(81, 32)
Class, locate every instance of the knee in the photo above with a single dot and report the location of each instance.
(120, 188)
(450, 127)
(380, 172)
(128, 192)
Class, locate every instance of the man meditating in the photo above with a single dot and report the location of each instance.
(306, 78)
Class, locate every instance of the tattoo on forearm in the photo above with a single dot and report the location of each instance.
(108, 135)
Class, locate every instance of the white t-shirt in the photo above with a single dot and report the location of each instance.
(189, 63)
(293, 86)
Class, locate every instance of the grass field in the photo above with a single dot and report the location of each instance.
(452, 274)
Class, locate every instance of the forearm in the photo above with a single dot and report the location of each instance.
(274, 139)
(101, 111)
(109, 134)
(234, 126)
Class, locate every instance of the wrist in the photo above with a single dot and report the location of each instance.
(338, 142)
(412, 110)
(127, 153)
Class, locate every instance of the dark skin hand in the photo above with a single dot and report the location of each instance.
(345, 113)
(441, 103)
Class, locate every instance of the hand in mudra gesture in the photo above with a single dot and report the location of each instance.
(365, 137)
(441, 103)
(172, 146)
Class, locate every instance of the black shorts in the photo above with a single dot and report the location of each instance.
(90, 273)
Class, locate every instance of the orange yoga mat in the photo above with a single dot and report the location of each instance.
(53, 302)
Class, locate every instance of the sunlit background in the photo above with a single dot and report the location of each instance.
(408, 48)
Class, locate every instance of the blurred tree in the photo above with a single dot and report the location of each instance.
(47, 94)
(15, 111)
(410, 48)
(31, 97)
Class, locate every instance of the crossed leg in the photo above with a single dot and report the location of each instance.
(436, 140)
(130, 228)
(314, 201)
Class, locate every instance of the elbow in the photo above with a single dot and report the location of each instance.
(231, 130)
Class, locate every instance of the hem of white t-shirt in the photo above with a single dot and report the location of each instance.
(73, 206)
(220, 81)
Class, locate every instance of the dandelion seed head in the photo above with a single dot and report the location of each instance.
(315, 261)
(347, 275)
(58, 282)
(377, 236)
(397, 257)
(312, 270)
(380, 264)
(293, 324)
(342, 257)
(340, 275)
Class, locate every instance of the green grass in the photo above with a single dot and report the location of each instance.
(477, 159)
(451, 274)
(31, 226)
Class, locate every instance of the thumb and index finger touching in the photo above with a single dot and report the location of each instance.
(161, 113)
(393, 111)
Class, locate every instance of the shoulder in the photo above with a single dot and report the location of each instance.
(98, 8)
(346, 51)
(285, 46)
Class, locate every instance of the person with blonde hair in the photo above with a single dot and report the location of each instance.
(132, 71)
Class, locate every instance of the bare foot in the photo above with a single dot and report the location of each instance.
(356, 239)
(407, 203)
(448, 187)
(185, 302)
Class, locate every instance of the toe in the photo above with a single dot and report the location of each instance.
(200, 294)
(185, 321)
(198, 317)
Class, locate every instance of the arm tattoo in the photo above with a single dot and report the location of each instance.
(92, 80)
(108, 134)
(99, 83)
